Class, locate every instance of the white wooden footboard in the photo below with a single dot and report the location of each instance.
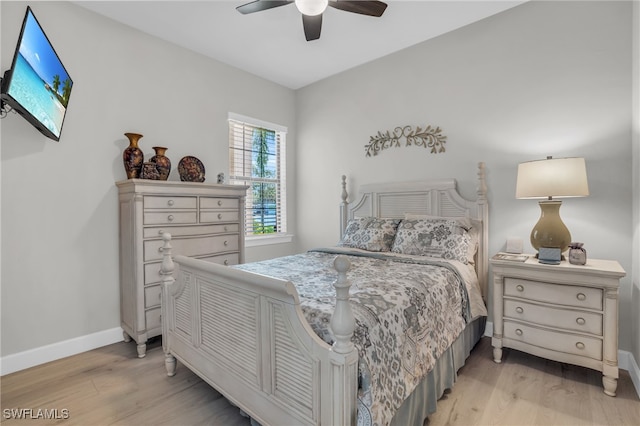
(246, 335)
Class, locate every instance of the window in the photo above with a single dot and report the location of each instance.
(257, 159)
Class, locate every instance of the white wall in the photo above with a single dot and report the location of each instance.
(543, 78)
(59, 200)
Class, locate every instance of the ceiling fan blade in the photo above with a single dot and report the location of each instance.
(259, 5)
(363, 7)
(312, 26)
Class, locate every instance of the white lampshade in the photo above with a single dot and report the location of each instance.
(311, 7)
(552, 177)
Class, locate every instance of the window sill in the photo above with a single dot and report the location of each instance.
(267, 240)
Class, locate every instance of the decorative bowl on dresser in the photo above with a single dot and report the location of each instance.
(567, 313)
(206, 221)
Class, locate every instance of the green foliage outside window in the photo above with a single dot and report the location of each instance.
(264, 193)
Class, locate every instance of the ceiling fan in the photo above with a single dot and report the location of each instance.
(312, 10)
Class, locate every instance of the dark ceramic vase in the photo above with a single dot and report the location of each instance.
(150, 171)
(163, 164)
(133, 157)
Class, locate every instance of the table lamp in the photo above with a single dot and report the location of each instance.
(549, 178)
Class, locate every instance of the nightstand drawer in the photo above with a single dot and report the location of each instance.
(570, 295)
(557, 341)
(583, 321)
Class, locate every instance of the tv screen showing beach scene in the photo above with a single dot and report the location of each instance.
(38, 85)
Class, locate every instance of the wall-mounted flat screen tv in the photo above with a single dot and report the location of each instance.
(37, 86)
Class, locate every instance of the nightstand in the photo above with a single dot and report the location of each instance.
(566, 313)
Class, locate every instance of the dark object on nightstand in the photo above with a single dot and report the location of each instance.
(577, 255)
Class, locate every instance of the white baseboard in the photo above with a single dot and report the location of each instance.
(626, 361)
(36, 356)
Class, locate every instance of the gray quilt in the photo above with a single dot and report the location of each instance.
(407, 311)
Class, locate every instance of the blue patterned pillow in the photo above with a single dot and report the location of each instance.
(370, 233)
(444, 238)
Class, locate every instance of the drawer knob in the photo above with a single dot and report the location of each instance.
(580, 321)
(219, 215)
(170, 218)
(518, 332)
(226, 262)
(219, 202)
(170, 202)
(580, 345)
(226, 243)
(581, 296)
(519, 310)
(520, 287)
(226, 228)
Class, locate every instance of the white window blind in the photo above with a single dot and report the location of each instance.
(257, 159)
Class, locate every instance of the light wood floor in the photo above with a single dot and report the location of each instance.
(110, 386)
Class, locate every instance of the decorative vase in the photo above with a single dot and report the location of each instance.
(133, 157)
(150, 171)
(163, 164)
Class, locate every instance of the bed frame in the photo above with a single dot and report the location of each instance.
(245, 334)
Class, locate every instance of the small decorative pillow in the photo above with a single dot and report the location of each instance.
(444, 238)
(370, 233)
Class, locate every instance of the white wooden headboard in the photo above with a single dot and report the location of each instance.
(432, 197)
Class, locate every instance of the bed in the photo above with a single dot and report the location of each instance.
(371, 331)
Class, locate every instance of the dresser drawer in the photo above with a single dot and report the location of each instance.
(570, 295)
(570, 343)
(224, 259)
(169, 217)
(165, 202)
(152, 318)
(186, 231)
(219, 216)
(224, 243)
(583, 321)
(192, 247)
(219, 203)
(152, 296)
(152, 273)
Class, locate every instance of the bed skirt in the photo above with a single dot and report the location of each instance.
(424, 398)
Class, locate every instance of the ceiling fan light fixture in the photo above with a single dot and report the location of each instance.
(311, 7)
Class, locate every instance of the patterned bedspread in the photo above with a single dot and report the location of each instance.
(407, 310)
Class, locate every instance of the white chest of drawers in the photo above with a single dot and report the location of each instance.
(567, 313)
(205, 220)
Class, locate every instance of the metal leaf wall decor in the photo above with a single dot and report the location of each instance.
(429, 137)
